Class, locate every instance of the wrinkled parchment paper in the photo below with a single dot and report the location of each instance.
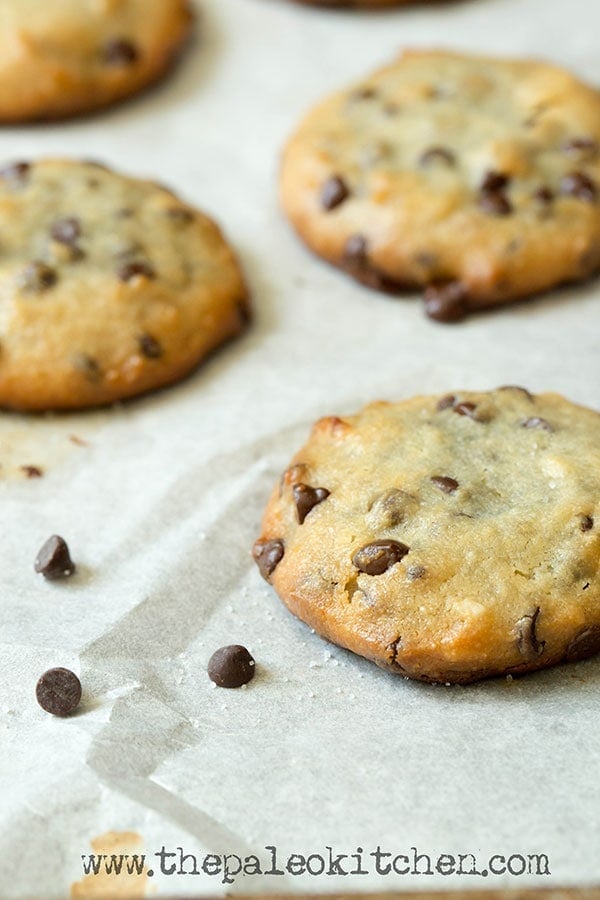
(161, 499)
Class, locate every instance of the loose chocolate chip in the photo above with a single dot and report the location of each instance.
(88, 366)
(496, 204)
(585, 147)
(587, 643)
(120, 52)
(378, 557)
(66, 231)
(466, 409)
(58, 691)
(267, 556)
(334, 192)
(587, 523)
(446, 302)
(580, 186)
(543, 195)
(437, 154)
(17, 172)
(445, 483)
(494, 182)
(150, 347)
(54, 560)
(32, 471)
(306, 498)
(537, 422)
(37, 277)
(231, 667)
(528, 640)
(516, 387)
(134, 269)
(446, 402)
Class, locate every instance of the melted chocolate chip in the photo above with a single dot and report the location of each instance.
(54, 560)
(231, 666)
(446, 302)
(528, 641)
(306, 498)
(587, 643)
(378, 557)
(357, 263)
(16, 172)
(32, 471)
(37, 277)
(446, 402)
(437, 154)
(537, 422)
(496, 204)
(267, 556)
(88, 366)
(180, 214)
(581, 147)
(365, 93)
(445, 483)
(543, 195)
(66, 231)
(580, 186)
(466, 409)
(586, 523)
(134, 269)
(334, 192)
(58, 692)
(494, 182)
(150, 347)
(120, 52)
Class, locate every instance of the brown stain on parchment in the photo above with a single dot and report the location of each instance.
(105, 885)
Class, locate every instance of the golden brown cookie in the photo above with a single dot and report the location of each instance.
(446, 538)
(109, 286)
(477, 179)
(67, 57)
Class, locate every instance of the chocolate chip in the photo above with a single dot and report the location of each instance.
(88, 366)
(180, 214)
(582, 147)
(16, 172)
(306, 498)
(378, 557)
(231, 666)
(580, 186)
(537, 422)
(496, 204)
(58, 692)
(32, 471)
(150, 347)
(334, 192)
(66, 231)
(587, 643)
(365, 93)
(445, 483)
(267, 556)
(134, 269)
(466, 409)
(54, 560)
(446, 402)
(528, 640)
(437, 154)
(446, 302)
(587, 523)
(543, 195)
(37, 277)
(494, 182)
(357, 263)
(120, 52)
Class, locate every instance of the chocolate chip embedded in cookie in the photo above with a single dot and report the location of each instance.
(100, 306)
(67, 57)
(464, 545)
(403, 182)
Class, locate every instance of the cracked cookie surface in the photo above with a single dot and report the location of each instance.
(72, 56)
(475, 178)
(109, 286)
(446, 538)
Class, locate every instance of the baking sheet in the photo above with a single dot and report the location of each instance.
(161, 499)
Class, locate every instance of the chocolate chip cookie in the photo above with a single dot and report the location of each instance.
(476, 179)
(72, 56)
(109, 286)
(446, 538)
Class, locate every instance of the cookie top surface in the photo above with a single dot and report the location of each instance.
(71, 56)
(444, 169)
(109, 286)
(447, 538)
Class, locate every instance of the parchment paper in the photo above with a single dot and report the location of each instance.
(163, 500)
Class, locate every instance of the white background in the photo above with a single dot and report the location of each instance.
(163, 505)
